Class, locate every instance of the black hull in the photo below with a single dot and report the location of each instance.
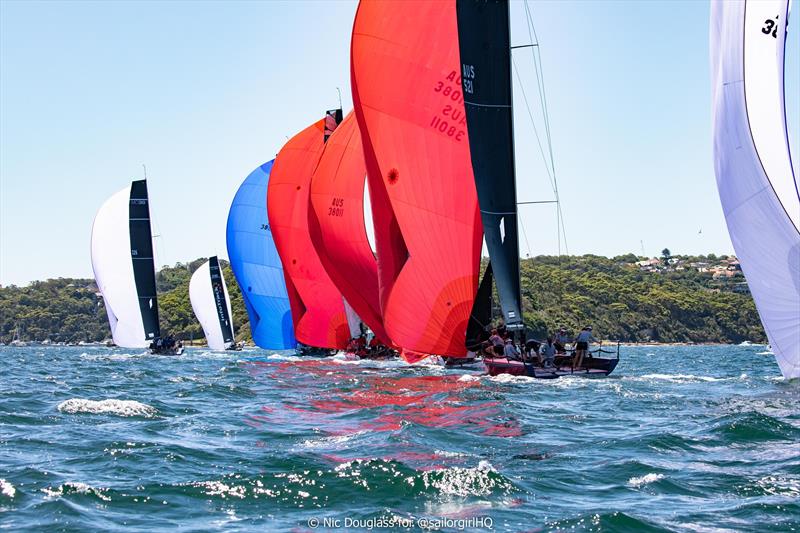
(592, 367)
(310, 351)
(167, 351)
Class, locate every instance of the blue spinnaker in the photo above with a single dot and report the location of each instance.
(256, 264)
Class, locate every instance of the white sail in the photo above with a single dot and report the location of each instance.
(353, 320)
(113, 271)
(755, 178)
(212, 305)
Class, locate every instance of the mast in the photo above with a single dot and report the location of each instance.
(484, 43)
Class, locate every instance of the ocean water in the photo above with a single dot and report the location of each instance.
(702, 438)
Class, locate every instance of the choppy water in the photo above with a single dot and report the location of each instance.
(680, 438)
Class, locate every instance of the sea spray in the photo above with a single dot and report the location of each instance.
(124, 408)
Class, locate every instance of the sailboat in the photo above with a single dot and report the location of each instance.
(17, 340)
(338, 231)
(485, 52)
(256, 264)
(212, 305)
(318, 309)
(124, 269)
(755, 177)
(408, 104)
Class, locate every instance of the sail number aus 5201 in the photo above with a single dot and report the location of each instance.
(467, 76)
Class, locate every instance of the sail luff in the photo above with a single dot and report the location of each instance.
(756, 183)
(485, 52)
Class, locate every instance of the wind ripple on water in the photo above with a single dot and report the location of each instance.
(94, 438)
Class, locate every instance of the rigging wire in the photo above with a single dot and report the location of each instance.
(537, 64)
(524, 233)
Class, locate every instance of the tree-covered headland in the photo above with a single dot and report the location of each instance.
(627, 298)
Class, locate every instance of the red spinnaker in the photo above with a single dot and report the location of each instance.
(407, 95)
(336, 220)
(317, 306)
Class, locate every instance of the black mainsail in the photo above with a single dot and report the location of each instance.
(220, 302)
(144, 271)
(485, 49)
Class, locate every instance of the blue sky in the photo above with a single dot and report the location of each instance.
(204, 92)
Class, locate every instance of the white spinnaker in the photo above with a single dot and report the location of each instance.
(201, 294)
(755, 178)
(113, 271)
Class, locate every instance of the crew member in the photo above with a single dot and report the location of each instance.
(582, 345)
(549, 352)
(561, 340)
(496, 339)
(510, 351)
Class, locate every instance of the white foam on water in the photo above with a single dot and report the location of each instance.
(331, 440)
(508, 378)
(780, 486)
(74, 487)
(282, 357)
(469, 377)
(218, 488)
(444, 453)
(6, 488)
(682, 378)
(646, 479)
(110, 406)
(459, 481)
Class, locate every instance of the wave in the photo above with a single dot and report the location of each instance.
(646, 479)
(71, 487)
(481, 480)
(753, 426)
(7, 489)
(125, 408)
(684, 378)
(613, 521)
(508, 378)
